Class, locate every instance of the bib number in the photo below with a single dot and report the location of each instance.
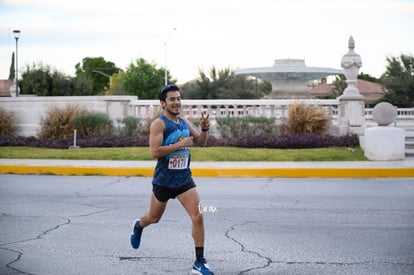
(178, 161)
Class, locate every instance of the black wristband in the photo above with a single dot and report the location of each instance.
(205, 130)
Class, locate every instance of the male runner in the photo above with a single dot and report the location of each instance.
(171, 137)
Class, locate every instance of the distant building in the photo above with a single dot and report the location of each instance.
(290, 78)
(5, 87)
(370, 90)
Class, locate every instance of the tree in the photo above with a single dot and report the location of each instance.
(368, 77)
(41, 80)
(224, 84)
(82, 85)
(338, 86)
(115, 85)
(143, 79)
(399, 81)
(98, 70)
(12, 73)
(247, 88)
(37, 80)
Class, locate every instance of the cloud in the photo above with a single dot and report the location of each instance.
(239, 33)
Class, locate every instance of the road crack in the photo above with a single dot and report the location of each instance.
(264, 188)
(267, 260)
(66, 221)
(19, 255)
(38, 237)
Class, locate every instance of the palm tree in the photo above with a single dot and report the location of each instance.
(399, 80)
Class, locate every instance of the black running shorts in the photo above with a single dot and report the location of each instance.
(163, 194)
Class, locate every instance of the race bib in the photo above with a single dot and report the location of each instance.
(178, 161)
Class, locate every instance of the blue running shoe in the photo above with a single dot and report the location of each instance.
(201, 268)
(135, 235)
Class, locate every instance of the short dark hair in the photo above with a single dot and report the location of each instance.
(166, 89)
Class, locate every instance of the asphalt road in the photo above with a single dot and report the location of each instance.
(81, 225)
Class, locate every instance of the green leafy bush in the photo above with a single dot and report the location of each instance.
(131, 125)
(7, 121)
(58, 122)
(232, 127)
(93, 124)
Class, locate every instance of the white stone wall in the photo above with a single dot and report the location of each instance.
(29, 110)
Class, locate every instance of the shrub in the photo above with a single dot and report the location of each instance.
(233, 127)
(7, 122)
(304, 119)
(113, 141)
(146, 123)
(93, 124)
(282, 141)
(291, 141)
(65, 143)
(131, 125)
(18, 141)
(58, 122)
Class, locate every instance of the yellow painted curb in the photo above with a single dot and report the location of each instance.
(305, 172)
(217, 172)
(78, 171)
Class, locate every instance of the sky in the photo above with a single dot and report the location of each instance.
(191, 35)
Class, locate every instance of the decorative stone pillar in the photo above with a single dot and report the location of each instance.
(12, 89)
(384, 142)
(351, 113)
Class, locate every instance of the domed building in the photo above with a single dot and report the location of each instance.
(290, 78)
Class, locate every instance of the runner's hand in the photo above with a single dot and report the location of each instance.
(205, 121)
(187, 142)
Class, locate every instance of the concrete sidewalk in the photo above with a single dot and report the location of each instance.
(339, 169)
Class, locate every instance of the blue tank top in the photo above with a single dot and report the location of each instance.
(173, 170)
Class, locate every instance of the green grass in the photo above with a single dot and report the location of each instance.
(197, 154)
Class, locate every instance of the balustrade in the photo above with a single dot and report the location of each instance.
(235, 108)
(29, 110)
(276, 108)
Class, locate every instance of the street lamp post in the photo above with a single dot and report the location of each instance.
(16, 34)
(165, 56)
(104, 74)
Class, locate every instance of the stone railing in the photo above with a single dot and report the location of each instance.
(405, 118)
(237, 108)
(30, 110)
(258, 108)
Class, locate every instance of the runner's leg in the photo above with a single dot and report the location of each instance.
(191, 202)
(155, 212)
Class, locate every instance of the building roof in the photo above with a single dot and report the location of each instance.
(370, 90)
(5, 87)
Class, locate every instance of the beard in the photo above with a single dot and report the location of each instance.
(174, 110)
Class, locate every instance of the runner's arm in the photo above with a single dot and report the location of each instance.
(156, 138)
(200, 138)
